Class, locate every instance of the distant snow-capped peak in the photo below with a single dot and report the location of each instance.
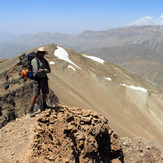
(147, 20)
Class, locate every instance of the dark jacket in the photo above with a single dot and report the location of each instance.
(40, 63)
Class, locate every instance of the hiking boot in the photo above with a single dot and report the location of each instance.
(44, 106)
(31, 113)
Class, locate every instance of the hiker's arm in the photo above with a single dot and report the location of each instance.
(34, 66)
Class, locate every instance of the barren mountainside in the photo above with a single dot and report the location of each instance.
(132, 105)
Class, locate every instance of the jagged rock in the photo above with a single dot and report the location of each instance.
(17, 92)
(61, 136)
(7, 115)
(6, 85)
(86, 119)
(6, 77)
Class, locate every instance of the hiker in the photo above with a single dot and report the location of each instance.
(40, 67)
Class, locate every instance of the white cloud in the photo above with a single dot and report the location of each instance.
(159, 20)
(161, 16)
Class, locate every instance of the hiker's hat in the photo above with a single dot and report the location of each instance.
(41, 49)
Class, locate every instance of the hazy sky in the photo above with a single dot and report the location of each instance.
(73, 16)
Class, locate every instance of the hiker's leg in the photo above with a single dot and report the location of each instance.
(45, 88)
(33, 100)
(36, 91)
(44, 101)
(45, 91)
(44, 97)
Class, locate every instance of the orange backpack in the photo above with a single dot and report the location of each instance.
(28, 73)
(24, 73)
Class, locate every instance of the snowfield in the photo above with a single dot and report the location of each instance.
(69, 66)
(107, 78)
(96, 59)
(51, 63)
(62, 54)
(135, 88)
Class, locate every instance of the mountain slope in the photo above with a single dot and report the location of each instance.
(106, 88)
(132, 105)
(132, 43)
(136, 59)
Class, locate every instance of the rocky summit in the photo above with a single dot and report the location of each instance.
(64, 134)
(74, 135)
(60, 134)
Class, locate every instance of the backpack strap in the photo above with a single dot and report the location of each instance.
(37, 62)
(38, 66)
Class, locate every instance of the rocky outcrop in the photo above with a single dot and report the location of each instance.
(16, 93)
(16, 103)
(63, 134)
(66, 134)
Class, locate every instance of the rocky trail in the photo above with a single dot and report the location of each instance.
(16, 139)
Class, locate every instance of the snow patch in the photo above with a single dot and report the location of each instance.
(62, 54)
(95, 58)
(52, 63)
(135, 88)
(143, 21)
(151, 82)
(69, 66)
(107, 78)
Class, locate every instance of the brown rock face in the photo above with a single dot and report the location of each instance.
(16, 103)
(74, 135)
(63, 134)
(16, 93)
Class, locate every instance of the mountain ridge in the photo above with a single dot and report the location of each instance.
(126, 99)
(111, 97)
